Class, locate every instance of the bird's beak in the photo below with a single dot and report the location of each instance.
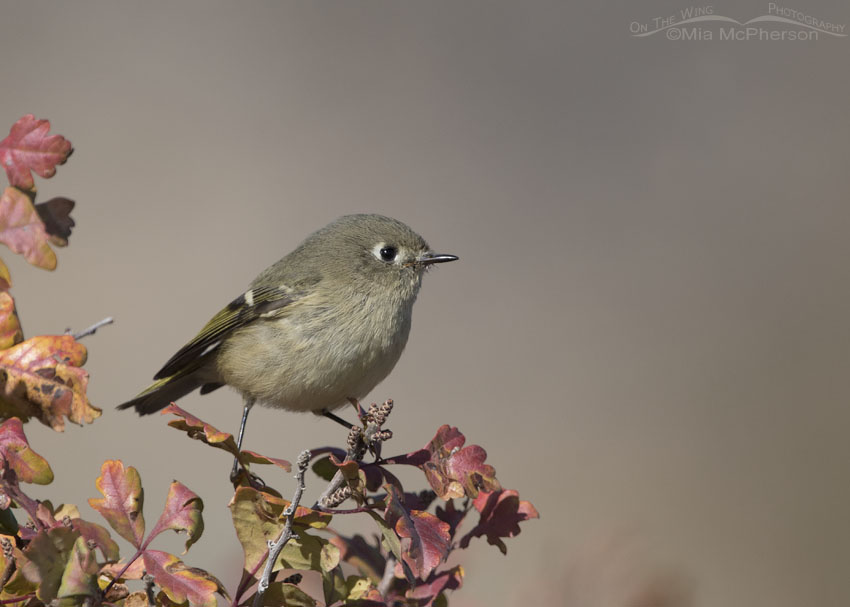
(428, 258)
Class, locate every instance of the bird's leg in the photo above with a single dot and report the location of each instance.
(336, 418)
(249, 402)
(357, 408)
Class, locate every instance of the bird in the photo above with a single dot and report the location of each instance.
(314, 331)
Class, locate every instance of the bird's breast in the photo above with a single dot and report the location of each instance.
(316, 356)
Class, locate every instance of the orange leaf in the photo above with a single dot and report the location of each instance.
(121, 504)
(22, 230)
(41, 377)
(10, 327)
(179, 582)
(5, 277)
(201, 430)
(28, 148)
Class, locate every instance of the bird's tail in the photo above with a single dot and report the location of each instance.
(162, 392)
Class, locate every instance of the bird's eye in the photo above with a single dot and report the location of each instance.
(388, 253)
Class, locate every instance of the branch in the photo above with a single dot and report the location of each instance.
(286, 534)
(389, 576)
(359, 441)
(90, 330)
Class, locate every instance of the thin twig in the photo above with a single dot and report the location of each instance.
(389, 576)
(246, 581)
(356, 449)
(92, 329)
(337, 481)
(148, 580)
(286, 534)
(123, 570)
(18, 599)
(367, 508)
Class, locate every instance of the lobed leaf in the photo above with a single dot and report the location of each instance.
(182, 513)
(451, 516)
(28, 148)
(45, 558)
(23, 231)
(452, 470)
(42, 378)
(179, 582)
(201, 430)
(56, 216)
(308, 552)
(257, 518)
(251, 457)
(425, 538)
(501, 513)
(121, 504)
(437, 583)
(79, 579)
(28, 465)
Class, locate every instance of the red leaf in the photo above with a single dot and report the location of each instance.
(22, 230)
(41, 377)
(425, 537)
(182, 513)
(452, 469)
(437, 583)
(28, 148)
(121, 504)
(56, 215)
(451, 516)
(179, 582)
(28, 465)
(501, 514)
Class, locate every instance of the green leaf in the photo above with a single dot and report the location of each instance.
(288, 595)
(45, 560)
(80, 576)
(257, 520)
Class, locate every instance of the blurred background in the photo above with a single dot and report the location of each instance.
(648, 328)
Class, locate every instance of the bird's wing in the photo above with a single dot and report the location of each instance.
(258, 302)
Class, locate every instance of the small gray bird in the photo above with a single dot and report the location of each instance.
(323, 325)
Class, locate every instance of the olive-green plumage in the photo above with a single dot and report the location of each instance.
(326, 323)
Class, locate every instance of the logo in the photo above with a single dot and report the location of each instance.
(703, 23)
